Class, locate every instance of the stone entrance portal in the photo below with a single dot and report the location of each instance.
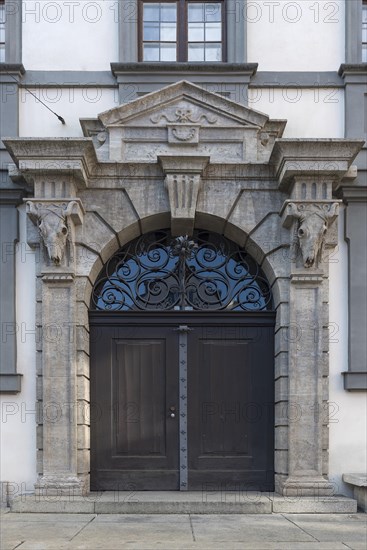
(184, 158)
(182, 370)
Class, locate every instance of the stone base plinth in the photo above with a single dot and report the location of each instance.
(68, 486)
(308, 487)
(359, 484)
(170, 502)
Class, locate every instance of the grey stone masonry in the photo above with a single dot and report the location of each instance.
(235, 175)
(359, 484)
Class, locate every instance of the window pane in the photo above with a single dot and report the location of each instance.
(364, 34)
(2, 53)
(168, 12)
(364, 53)
(168, 32)
(196, 12)
(213, 32)
(364, 14)
(2, 33)
(196, 32)
(213, 12)
(196, 52)
(213, 52)
(168, 52)
(151, 12)
(151, 31)
(151, 52)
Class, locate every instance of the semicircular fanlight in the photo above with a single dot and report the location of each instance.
(159, 272)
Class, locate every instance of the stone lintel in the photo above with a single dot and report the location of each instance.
(355, 380)
(318, 158)
(10, 383)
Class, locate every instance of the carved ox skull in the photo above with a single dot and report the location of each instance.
(314, 220)
(52, 225)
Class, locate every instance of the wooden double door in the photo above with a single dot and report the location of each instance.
(182, 401)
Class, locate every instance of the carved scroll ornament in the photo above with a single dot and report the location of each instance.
(314, 220)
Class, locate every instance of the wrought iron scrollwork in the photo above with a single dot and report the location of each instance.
(159, 272)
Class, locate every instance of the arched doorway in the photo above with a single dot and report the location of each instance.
(182, 367)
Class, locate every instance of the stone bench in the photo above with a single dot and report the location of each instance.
(359, 482)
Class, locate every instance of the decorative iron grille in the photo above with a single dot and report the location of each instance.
(161, 272)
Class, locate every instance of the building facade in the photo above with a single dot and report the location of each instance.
(183, 210)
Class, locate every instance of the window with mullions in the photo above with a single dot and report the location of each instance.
(181, 31)
(364, 32)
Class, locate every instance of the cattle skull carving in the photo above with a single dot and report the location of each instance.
(314, 220)
(52, 221)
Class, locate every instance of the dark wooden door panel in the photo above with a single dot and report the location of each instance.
(230, 404)
(138, 383)
(135, 382)
(222, 389)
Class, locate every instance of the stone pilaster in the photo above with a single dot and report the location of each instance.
(56, 222)
(308, 214)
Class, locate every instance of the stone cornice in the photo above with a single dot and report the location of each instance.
(14, 69)
(353, 194)
(353, 68)
(249, 69)
(73, 156)
(12, 196)
(320, 158)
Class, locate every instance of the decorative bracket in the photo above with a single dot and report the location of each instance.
(52, 219)
(313, 222)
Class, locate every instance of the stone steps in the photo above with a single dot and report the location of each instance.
(172, 502)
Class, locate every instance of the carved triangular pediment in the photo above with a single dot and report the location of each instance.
(180, 119)
(172, 102)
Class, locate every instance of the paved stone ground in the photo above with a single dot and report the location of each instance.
(181, 532)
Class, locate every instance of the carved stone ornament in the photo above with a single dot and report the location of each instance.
(52, 221)
(185, 134)
(183, 192)
(183, 116)
(313, 222)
